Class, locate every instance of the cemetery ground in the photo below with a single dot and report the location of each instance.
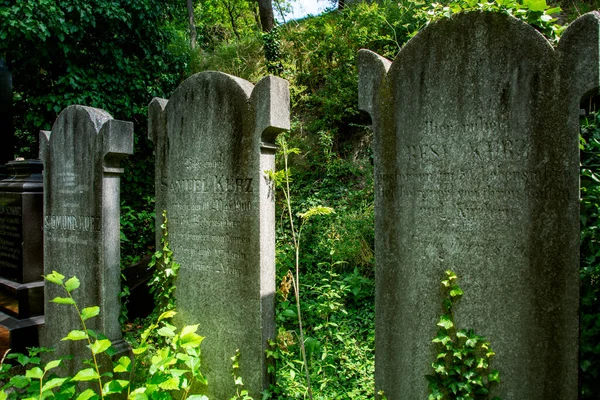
(334, 168)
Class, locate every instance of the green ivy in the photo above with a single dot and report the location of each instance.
(589, 356)
(461, 369)
(169, 370)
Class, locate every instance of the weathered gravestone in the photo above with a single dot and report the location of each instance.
(476, 157)
(214, 140)
(81, 159)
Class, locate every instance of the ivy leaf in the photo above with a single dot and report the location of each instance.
(87, 374)
(536, 5)
(72, 284)
(51, 365)
(55, 277)
(166, 331)
(115, 386)
(170, 384)
(455, 291)
(139, 350)
(86, 395)
(494, 376)
(166, 315)
(34, 373)
(138, 394)
(52, 383)
(63, 300)
(100, 346)
(445, 322)
(123, 365)
(76, 335)
(89, 312)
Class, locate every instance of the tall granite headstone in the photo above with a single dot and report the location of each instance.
(477, 167)
(81, 159)
(214, 140)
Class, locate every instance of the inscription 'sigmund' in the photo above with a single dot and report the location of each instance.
(72, 223)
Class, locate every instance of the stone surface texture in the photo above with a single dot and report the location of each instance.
(214, 139)
(476, 163)
(81, 159)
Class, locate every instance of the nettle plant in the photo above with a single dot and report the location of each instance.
(461, 370)
(172, 370)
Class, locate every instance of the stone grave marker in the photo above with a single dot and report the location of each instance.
(81, 159)
(21, 251)
(213, 141)
(477, 170)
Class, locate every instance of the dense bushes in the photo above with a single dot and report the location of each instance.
(590, 258)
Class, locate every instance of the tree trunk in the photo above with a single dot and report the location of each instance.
(192, 22)
(265, 9)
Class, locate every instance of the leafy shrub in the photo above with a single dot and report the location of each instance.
(462, 366)
(589, 359)
(171, 369)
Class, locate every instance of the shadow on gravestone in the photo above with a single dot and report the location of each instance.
(213, 141)
(81, 159)
(477, 170)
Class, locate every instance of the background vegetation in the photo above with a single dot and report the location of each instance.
(118, 54)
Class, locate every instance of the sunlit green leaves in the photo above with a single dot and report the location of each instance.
(63, 300)
(87, 374)
(34, 373)
(55, 277)
(86, 395)
(76, 335)
(89, 312)
(100, 346)
(72, 284)
(461, 369)
(123, 365)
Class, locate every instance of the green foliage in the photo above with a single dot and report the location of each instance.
(462, 366)
(273, 54)
(106, 54)
(162, 284)
(535, 12)
(240, 394)
(281, 180)
(589, 358)
(173, 369)
(332, 328)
